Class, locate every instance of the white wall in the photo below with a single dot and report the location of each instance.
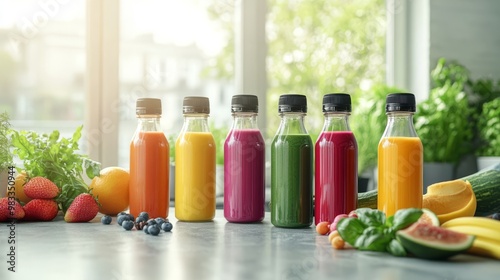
(467, 31)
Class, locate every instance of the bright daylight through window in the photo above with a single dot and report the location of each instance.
(172, 49)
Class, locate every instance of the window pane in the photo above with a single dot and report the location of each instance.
(42, 64)
(166, 50)
(323, 46)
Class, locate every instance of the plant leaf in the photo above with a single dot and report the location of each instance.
(405, 217)
(92, 168)
(350, 229)
(395, 248)
(371, 217)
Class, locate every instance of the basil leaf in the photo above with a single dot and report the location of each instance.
(406, 217)
(371, 230)
(395, 248)
(373, 239)
(371, 217)
(390, 221)
(390, 231)
(350, 229)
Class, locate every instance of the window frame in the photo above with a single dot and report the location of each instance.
(408, 46)
(102, 83)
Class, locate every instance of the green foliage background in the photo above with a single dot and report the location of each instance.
(489, 129)
(314, 47)
(5, 154)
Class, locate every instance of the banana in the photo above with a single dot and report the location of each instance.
(474, 221)
(485, 248)
(480, 232)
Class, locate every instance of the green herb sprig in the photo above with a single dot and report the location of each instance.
(57, 159)
(372, 231)
(5, 155)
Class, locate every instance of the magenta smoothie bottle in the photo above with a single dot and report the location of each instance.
(336, 156)
(244, 164)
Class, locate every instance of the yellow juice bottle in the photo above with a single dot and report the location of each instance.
(400, 157)
(195, 164)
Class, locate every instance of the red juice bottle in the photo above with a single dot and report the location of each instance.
(336, 156)
(244, 164)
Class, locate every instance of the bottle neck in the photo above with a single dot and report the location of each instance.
(400, 124)
(337, 121)
(247, 120)
(195, 123)
(149, 122)
(292, 123)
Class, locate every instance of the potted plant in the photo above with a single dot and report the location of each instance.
(489, 134)
(5, 155)
(443, 123)
(368, 123)
(482, 91)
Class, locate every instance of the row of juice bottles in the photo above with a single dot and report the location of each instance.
(292, 167)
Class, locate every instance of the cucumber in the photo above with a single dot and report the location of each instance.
(367, 199)
(485, 183)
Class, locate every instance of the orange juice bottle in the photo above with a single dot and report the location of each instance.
(195, 164)
(400, 157)
(149, 162)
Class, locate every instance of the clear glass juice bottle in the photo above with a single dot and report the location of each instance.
(292, 166)
(195, 164)
(336, 157)
(244, 163)
(400, 157)
(149, 162)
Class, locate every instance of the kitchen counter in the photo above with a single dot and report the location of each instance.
(211, 250)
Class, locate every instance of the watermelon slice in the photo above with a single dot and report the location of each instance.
(426, 241)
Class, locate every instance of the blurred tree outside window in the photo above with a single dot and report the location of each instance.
(315, 47)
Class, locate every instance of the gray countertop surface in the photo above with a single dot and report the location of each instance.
(211, 250)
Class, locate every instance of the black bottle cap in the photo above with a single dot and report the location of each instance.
(400, 102)
(244, 103)
(148, 106)
(196, 105)
(336, 102)
(292, 103)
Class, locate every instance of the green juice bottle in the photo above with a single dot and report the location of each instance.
(292, 166)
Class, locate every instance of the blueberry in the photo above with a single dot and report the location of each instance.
(106, 220)
(151, 222)
(121, 213)
(128, 225)
(122, 218)
(496, 216)
(166, 226)
(154, 230)
(145, 215)
(130, 217)
(159, 221)
(140, 219)
(146, 229)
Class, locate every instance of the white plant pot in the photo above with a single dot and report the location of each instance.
(485, 162)
(435, 172)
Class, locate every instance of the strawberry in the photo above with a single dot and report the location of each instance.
(15, 211)
(41, 210)
(83, 209)
(40, 187)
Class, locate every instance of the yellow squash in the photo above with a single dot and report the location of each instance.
(450, 199)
